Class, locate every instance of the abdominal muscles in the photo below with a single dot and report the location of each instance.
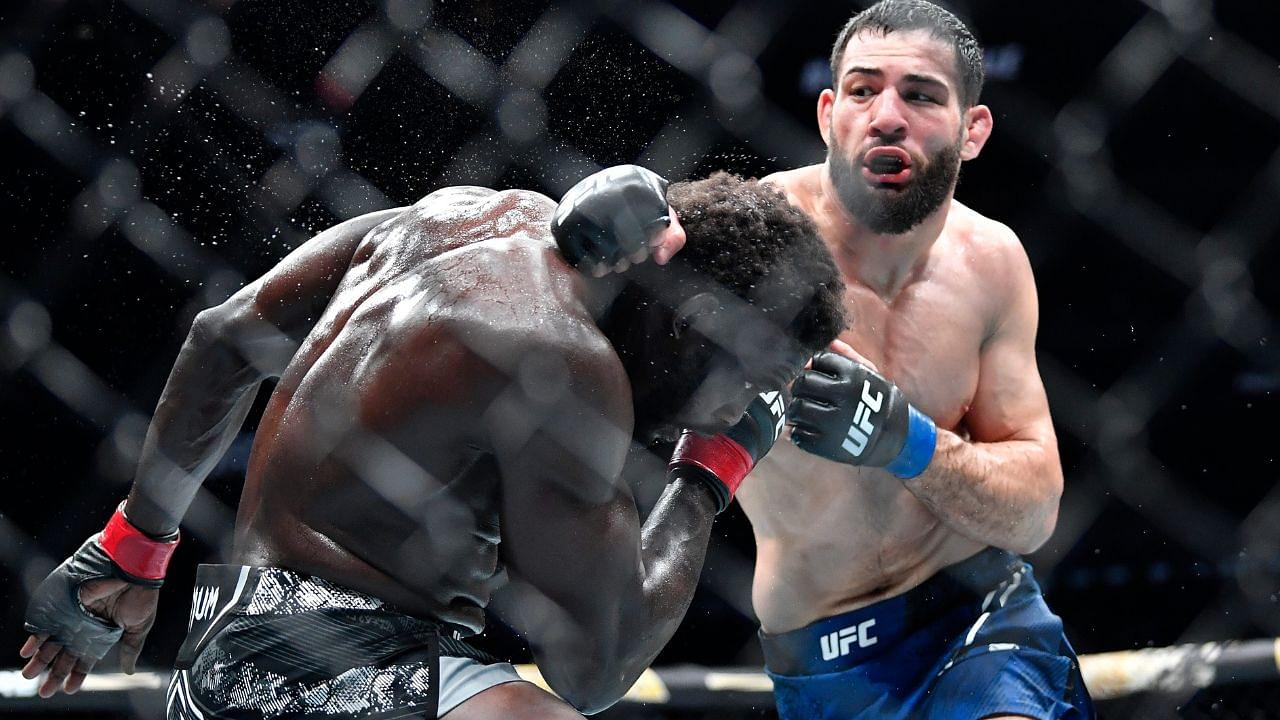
(832, 538)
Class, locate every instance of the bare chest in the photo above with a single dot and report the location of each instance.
(927, 340)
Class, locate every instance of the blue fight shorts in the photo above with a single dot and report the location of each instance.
(973, 641)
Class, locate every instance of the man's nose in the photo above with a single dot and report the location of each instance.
(888, 116)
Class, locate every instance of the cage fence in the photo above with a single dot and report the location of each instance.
(161, 153)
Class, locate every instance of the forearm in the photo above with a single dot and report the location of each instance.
(705, 472)
(592, 654)
(640, 579)
(209, 391)
(1003, 494)
(674, 543)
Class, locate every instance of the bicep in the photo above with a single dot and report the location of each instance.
(1010, 401)
(571, 546)
(561, 526)
(566, 514)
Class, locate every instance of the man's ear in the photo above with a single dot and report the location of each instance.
(978, 125)
(689, 312)
(826, 99)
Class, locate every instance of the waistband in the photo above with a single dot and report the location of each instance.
(225, 591)
(844, 641)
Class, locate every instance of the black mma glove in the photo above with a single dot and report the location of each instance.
(120, 551)
(722, 461)
(55, 608)
(610, 215)
(844, 411)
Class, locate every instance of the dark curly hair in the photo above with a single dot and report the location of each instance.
(745, 241)
(902, 15)
(747, 238)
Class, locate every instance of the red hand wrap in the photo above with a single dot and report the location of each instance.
(718, 455)
(133, 551)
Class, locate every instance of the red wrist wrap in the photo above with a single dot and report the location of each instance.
(133, 551)
(718, 455)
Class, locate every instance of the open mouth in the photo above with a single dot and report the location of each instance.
(886, 165)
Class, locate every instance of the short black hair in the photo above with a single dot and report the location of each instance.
(744, 236)
(889, 16)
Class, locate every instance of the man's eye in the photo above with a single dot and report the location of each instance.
(860, 92)
(921, 97)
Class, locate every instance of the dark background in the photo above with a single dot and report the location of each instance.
(159, 153)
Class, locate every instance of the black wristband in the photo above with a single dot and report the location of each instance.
(720, 494)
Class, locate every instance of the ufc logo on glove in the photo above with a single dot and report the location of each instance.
(862, 427)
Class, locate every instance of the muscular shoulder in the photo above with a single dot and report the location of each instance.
(567, 362)
(997, 259)
(473, 199)
(497, 376)
(989, 246)
(790, 178)
(801, 185)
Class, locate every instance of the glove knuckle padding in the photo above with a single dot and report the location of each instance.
(849, 412)
(833, 364)
(55, 608)
(821, 388)
(804, 411)
(804, 386)
(609, 215)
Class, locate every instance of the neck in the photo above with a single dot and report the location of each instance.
(883, 263)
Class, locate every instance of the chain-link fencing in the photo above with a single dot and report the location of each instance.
(160, 153)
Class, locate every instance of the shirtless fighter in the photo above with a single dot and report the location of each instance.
(891, 586)
(923, 459)
(455, 409)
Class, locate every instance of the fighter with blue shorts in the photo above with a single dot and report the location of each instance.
(974, 641)
(923, 458)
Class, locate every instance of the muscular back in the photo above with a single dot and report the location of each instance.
(372, 464)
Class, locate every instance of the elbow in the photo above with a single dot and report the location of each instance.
(1040, 520)
(211, 340)
(1034, 535)
(206, 328)
(588, 672)
(212, 326)
(595, 652)
(592, 702)
(235, 332)
(589, 688)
